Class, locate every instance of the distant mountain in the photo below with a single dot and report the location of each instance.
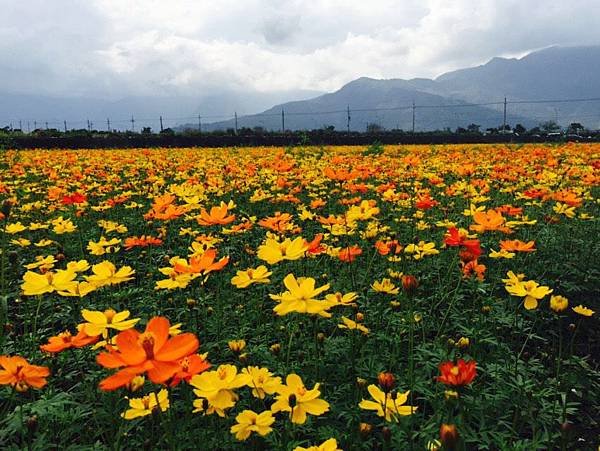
(30, 109)
(554, 73)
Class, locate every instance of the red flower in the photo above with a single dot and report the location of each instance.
(457, 375)
(75, 198)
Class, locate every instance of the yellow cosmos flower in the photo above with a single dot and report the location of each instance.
(60, 281)
(295, 398)
(104, 246)
(61, 226)
(14, 228)
(502, 253)
(558, 303)
(352, 325)
(261, 381)
(300, 297)
(140, 407)
(273, 251)
(392, 403)
(421, 249)
(42, 262)
(339, 299)
(249, 422)
(98, 322)
(78, 266)
(21, 242)
(530, 290)
(217, 388)
(111, 226)
(385, 286)
(43, 243)
(244, 279)
(106, 273)
(327, 445)
(564, 209)
(584, 311)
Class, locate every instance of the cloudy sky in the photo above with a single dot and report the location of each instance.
(148, 47)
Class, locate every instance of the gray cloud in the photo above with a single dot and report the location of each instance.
(149, 47)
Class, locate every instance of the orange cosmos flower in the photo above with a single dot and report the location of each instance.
(517, 246)
(385, 247)
(425, 202)
(163, 208)
(457, 375)
(349, 254)
(315, 247)
(281, 222)
(204, 263)
(473, 268)
(65, 340)
(488, 221)
(18, 373)
(141, 241)
(151, 351)
(217, 216)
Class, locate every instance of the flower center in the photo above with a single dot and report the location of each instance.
(147, 341)
(454, 371)
(222, 373)
(110, 313)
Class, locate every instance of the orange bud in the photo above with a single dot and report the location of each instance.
(409, 283)
(448, 436)
(386, 381)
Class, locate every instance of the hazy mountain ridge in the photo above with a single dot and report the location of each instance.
(552, 73)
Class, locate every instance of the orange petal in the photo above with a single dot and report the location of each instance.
(178, 347)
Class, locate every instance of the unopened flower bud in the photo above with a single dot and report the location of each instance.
(448, 436)
(409, 283)
(359, 317)
(320, 337)
(361, 382)
(191, 302)
(387, 434)
(275, 348)
(365, 429)
(243, 358)
(237, 346)
(386, 381)
(292, 400)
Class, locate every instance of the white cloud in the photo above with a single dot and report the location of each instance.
(147, 47)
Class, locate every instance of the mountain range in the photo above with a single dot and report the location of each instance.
(554, 73)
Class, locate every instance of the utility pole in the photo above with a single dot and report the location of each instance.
(107, 124)
(413, 117)
(199, 124)
(28, 128)
(235, 116)
(46, 125)
(88, 125)
(348, 119)
(132, 123)
(161, 126)
(65, 124)
(35, 125)
(20, 128)
(504, 118)
(282, 121)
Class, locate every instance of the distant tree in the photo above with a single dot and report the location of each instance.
(492, 131)
(535, 131)
(146, 131)
(519, 129)
(550, 126)
(168, 132)
(473, 128)
(373, 127)
(461, 130)
(576, 128)
(258, 130)
(329, 128)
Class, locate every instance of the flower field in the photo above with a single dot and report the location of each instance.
(397, 297)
